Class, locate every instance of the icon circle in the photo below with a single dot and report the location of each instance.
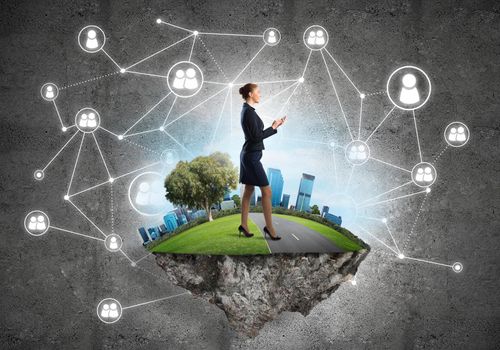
(357, 152)
(185, 79)
(423, 174)
(49, 91)
(315, 37)
(456, 134)
(39, 175)
(113, 242)
(109, 310)
(271, 36)
(91, 39)
(36, 223)
(408, 88)
(457, 267)
(146, 194)
(87, 120)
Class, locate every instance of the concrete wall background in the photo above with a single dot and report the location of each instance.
(50, 285)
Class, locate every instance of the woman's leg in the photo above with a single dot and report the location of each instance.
(266, 208)
(245, 205)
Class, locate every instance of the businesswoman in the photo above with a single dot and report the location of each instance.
(251, 171)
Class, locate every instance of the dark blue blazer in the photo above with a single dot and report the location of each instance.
(253, 128)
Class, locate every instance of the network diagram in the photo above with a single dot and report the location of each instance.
(408, 88)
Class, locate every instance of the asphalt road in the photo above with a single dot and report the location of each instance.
(295, 238)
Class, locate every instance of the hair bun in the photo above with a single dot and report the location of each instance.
(241, 90)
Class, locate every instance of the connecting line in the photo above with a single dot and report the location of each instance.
(111, 58)
(246, 66)
(307, 62)
(335, 170)
(140, 133)
(147, 74)
(349, 179)
(153, 301)
(192, 109)
(157, 52)
(392, 199)
(59, 152)
(192, 47)
(75, 233)
(116, 178)
(232, 34)
(57, 111)
(109, 132)
(360, 116)
(418, 139)
(279, 93)
(304, 140)
(76, 163)
(213, 82)
(383, 120)
(177, 142)
(220, 118)
(102, 157)
(288, 101)
(337, 95)
(213, 59)
(338, 65)
(125, 255)
(169, 111)
(150, 110)
(390, 233)
(364, 230)
(428, 261)
(175, 26)
(394, 166)
(271, 82)
(230, 113)
(386, 192)
(86, 217)
(144, 257)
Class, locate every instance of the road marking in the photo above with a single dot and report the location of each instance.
(294, 236)
(263, 235)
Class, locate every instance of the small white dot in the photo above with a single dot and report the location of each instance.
(301, 79)
(353, 282)
(230, 84)
(66, 197)
(158, 21)
(401, 256)
(111, 179)
(133, 264)
(196, 32)
(384, 220)
(162, 128)
(362, 96)
(64, 129)
(122, 70)
(120, 137)
(428, 190)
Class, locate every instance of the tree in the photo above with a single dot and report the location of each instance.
(315, 209)
(202, 181)
(237, 200)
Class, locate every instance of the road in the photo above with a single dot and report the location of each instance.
(295, 238)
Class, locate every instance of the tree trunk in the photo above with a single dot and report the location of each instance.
(209, 212)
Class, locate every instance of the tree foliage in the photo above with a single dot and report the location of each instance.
(202, 181)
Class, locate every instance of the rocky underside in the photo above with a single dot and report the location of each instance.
(253, 290)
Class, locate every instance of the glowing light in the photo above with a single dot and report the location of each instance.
(122, 70)
(66, 197)
(384, 220)
(120, 137)
(64, 129)
(196, 32)
(301, 79)
(111, 180)
(401, 256)
(362, 96)
(158, 21)
(457, 267)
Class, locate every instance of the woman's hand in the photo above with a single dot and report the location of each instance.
(278, 122)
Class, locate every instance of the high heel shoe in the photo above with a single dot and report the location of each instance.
(245, 232)
(274, 238)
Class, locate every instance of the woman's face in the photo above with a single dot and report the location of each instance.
(255, 95)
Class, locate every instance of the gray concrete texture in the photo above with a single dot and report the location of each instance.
(50, 285)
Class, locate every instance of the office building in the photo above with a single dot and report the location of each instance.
(170, 221)
(276, 182)
(324, 210)
(285, 201)
(305, 192)
(227, 204)
(333, 218)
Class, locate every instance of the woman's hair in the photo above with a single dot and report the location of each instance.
(246, 89)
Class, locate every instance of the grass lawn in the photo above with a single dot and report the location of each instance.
(336, 237)
(219, 237)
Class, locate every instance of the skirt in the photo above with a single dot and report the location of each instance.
(251, 169)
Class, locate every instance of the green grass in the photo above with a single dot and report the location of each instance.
(336, 237)
(219, 237)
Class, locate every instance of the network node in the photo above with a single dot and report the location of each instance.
(401, 256)
(39, 174)
(113, 242)
(64, 129)
(230, 85)
(357, 152)
(162, 128)
(185, 79)
(362, 96)
(49, 91)
(456, 134)
(133, 264)
(271, 36)
(158, 21)
(169, 157)
(301, 79)
(428, 190)
(111, 180)
(195, 33)
(91, 39)
(353, 282)
(384, 220)
(457, 267)
(332, 145)
(120, 137)
(424, 175)
(146, 194)
(109, 310)
(122, 70)
(315, 37)
(87, 120)
(408, 88)
(36, 223)
(66, 197)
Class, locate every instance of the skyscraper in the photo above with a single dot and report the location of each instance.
(276, 182)
(305, 191)
(285, 201)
